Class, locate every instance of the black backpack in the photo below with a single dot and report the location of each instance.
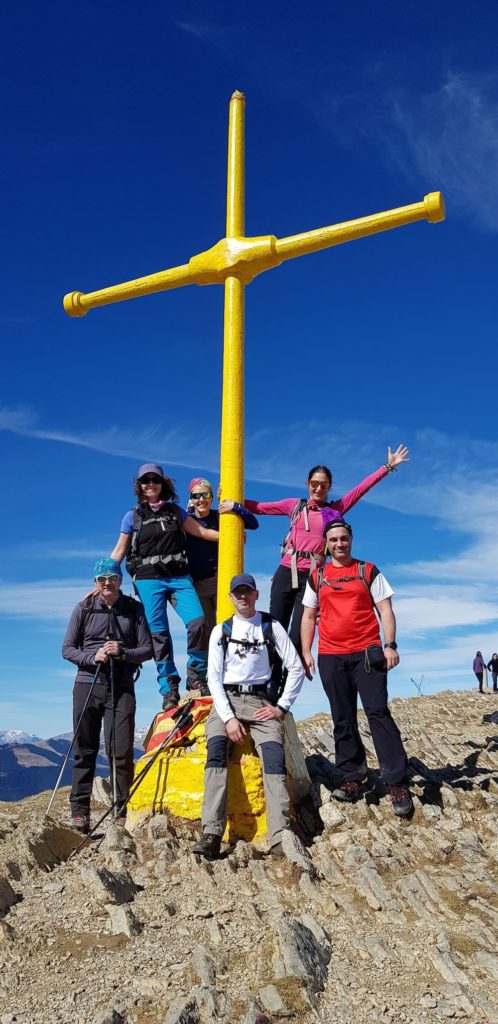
(268, 638)
(130, 606)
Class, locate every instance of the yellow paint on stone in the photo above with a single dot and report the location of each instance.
(176, 784)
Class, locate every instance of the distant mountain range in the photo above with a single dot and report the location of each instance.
(29, 765)
(14, 736)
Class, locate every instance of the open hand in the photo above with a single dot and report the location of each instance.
(225, 506)
(396, 458)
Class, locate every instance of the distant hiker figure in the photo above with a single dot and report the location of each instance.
(202, 555)
(493, 668)
(240, 655)
(340, 598)
(153, 539)
(479, 667)
(303, 547)
(106, 613)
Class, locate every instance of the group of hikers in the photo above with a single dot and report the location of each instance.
(254, 664)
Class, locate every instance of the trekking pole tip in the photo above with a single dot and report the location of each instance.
(72, 304)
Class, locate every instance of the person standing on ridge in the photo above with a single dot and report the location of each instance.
(152, 537)
(342, 598)
(493, 668)
(479, 666)
(202, 555)
(240, 653)
(106, 627)
(303, 547)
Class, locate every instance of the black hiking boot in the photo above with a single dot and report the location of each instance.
(209, 846)
(172, 697)
(348, 791)
(401, 800)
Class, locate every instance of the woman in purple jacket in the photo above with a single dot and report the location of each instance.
(478, 665)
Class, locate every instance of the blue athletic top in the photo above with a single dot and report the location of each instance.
(203, 554)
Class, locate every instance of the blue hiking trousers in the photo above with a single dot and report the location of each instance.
(180, 592)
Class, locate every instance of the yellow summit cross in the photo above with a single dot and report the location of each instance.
(234, 262)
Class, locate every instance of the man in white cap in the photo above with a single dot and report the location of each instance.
(239, 670)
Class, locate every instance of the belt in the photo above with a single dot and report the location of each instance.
(256, 689)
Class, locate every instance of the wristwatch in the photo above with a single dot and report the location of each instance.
(393, 645)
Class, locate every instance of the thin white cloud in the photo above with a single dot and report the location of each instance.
(450, 136)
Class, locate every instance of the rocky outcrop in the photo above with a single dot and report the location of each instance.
(373, 919)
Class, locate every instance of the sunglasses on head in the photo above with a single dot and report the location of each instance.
(197, 495)
(106, 579)
(150, 480)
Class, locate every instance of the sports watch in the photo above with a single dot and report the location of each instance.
(393, 645)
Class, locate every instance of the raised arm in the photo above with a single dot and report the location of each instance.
(285, 507)
(394, 459)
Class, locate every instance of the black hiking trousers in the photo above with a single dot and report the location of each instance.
(344, 676)
(286, 606)
(87, 742)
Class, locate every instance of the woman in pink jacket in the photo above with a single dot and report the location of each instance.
(304, 547)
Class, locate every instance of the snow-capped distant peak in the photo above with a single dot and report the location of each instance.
(14, 736)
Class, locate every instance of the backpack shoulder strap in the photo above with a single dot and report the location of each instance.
(226, 632)
(362, 573)
(88, 608)
(319, 583)
(267, 621)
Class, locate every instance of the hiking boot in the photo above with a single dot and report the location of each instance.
(121, 821)
(401, 800)
(172, 697)
(209, 846)
(348, 791)
(81, 822)
(204, 689)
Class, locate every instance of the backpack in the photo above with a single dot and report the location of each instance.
(268, 638)
(178, 558)
(131, 606)
(300, 506)
(342, 579)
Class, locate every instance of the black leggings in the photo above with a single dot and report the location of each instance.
(286, 606)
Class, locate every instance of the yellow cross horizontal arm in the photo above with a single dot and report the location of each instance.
(244, 258)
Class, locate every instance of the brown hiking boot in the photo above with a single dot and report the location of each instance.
(401, 800)
(209, 846)
(348, 791)
(172, 697)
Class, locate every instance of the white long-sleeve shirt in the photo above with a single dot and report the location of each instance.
(244, 666)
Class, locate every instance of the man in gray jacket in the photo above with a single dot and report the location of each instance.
(108, 634)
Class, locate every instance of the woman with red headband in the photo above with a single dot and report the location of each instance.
(203, 556)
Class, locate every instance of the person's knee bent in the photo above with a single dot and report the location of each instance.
(273, 757)
(217, 752)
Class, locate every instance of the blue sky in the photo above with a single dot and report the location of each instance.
(114, 159)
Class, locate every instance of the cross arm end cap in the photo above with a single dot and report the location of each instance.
(435, 209)
(72, 305)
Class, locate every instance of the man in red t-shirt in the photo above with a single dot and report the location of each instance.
(344, 596)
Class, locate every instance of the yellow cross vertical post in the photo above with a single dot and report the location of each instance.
(232, 408)
(234, 261)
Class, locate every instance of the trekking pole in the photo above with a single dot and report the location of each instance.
(182, 716)
(112, 738)
(66, 759)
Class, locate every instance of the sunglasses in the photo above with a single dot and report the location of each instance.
(107, 579)
(150, 480)
(200, 494)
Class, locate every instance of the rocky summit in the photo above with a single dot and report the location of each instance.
(367, 918)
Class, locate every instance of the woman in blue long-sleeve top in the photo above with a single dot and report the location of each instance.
(202, 554)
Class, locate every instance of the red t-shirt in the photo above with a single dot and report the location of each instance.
(347, 620)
